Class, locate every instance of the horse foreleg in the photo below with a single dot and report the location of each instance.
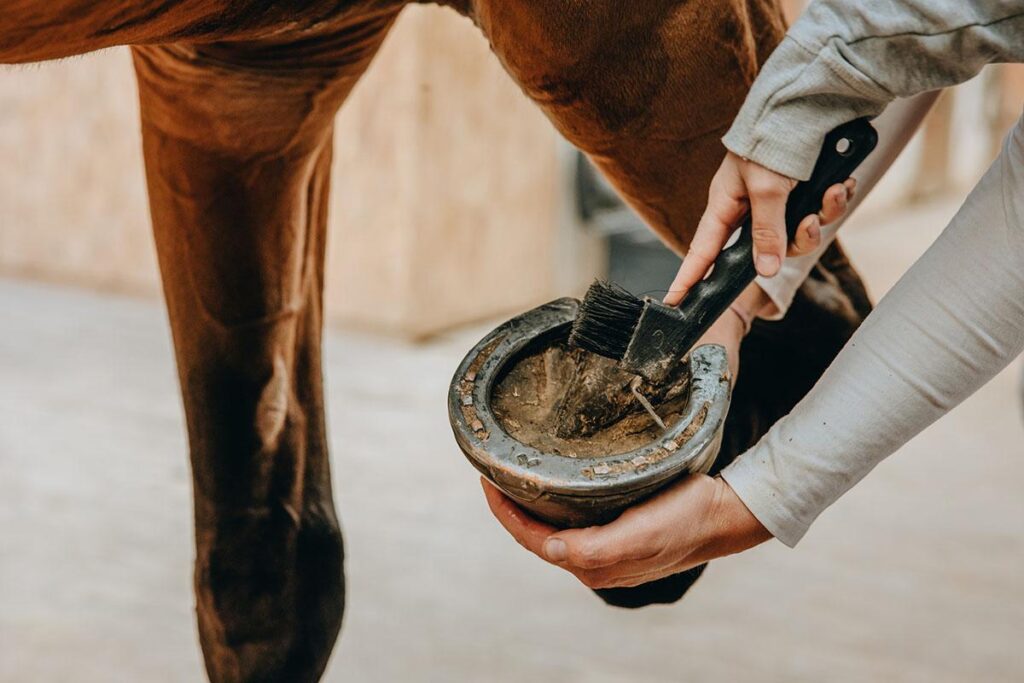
(238, 154)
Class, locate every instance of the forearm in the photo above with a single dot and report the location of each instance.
(896, 126)
(844, 59)
(953, 321)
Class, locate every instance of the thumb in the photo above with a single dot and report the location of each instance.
(595, 547)
(768, 194)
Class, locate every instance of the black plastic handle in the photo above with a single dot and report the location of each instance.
(844, 149)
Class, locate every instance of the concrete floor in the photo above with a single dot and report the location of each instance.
(914, 576)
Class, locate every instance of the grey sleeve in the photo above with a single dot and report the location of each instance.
(849, 58)
(950, 324)
(896, 126)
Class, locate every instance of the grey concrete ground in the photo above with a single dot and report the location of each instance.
(915, 576)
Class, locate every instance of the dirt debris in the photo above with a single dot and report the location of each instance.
(573, 403)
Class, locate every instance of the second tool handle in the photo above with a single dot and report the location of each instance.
(844, 149)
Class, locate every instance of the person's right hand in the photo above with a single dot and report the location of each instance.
(740, 186)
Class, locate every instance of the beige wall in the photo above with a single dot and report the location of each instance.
(448, 188)
(72, 195)
(449, 199)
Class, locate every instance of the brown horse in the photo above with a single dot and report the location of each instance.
(238, 99)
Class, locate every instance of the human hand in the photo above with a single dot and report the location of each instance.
(653, 539)
(691, 522)
(740, 186)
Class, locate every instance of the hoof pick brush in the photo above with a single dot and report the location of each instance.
(649, 338)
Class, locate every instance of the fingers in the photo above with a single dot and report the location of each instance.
(807, 238)
(740, 184)
(528, 532)
(712, 234)
(600, 546)
(836, 200)
(680, 527)
(833, 207)
(768, 194)
(648, 542)
(726, 207)
(600, 557)
(625, 575)
(619, 554)
(589, 548)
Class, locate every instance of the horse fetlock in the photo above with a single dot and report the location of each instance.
(270, 592)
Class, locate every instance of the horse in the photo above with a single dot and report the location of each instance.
(238, 100)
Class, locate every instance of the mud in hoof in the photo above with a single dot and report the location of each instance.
(573, 403)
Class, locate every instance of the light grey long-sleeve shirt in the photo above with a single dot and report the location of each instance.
(957, 317)
(844, 59)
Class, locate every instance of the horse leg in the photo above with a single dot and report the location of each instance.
(238, 141)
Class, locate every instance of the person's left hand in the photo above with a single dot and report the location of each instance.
(693, 521)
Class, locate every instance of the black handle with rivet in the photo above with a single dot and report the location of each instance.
(844, 150)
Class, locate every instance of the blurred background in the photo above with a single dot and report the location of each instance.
(453, 194)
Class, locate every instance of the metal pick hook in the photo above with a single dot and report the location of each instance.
(634, 386)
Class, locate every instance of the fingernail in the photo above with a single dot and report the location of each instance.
(767, 264)
(555, 550)
(673, 296)
(814, 230)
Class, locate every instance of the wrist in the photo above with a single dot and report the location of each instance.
(752, 303)
(735, 527)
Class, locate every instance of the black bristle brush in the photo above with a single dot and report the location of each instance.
(649, 338)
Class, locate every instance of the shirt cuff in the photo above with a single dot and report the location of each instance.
(798, 97)
(782, 288)
(750, 477)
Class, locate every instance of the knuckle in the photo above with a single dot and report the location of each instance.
(589, 556)
(718, 189)
(803, 230)
(768, 188)
(765, 235)
(724, 176)
(699, 255)
(738, 204)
